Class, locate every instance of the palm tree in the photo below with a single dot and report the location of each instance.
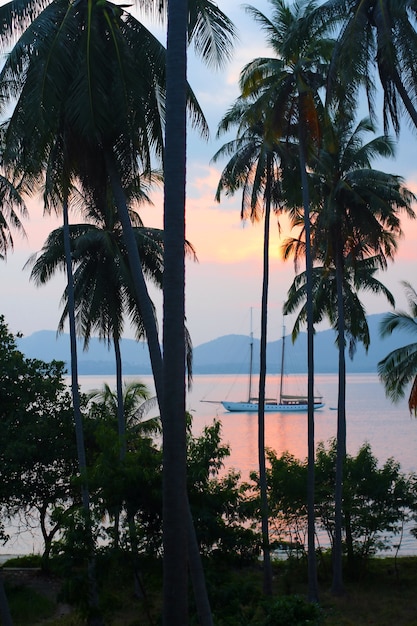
(358, 276)
(174, 419)
(374, 34)
(254, 167)
(399, 368)
(121, 122)
(356, 216)
(137, 402)
(287, 86)
(103, 290)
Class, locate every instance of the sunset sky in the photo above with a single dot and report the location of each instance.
(226, 282)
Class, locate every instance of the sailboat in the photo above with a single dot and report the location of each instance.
(284, 404)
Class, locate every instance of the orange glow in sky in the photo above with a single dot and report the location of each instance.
(227, 280)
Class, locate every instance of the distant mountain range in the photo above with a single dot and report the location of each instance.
(228, 354)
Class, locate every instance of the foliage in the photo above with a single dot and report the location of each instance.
(293, 610)
(288, 500)
(384, 595)
(28, 560)
(38, 452)
(399, 368)
(220, 504)
(129, 486)
(377, 501)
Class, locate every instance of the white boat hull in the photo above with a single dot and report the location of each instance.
(252, 407)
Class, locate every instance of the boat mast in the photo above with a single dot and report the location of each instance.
(250, 358)
(281, 383)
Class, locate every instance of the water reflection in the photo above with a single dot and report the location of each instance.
(370, 417)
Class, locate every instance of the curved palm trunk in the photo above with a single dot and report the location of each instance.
(95, 619)
(337, 583)
(141, 292)
(312, 562)
(261, 399)
(145, 305)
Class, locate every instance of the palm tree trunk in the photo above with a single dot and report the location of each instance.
(198, 579)
(175, 596)
(312, 561)
(267, 579)
(95, 619)
(141, 292)
(121, 422)
(337, 583)
(121, 427)
(144, 303)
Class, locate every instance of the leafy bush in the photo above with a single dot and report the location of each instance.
(30, 560)
(293, 611)
(377, 501)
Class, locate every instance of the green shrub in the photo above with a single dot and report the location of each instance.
(292, 611)
(30, 560)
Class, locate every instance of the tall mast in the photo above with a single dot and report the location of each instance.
(250, 357)
(282, 362)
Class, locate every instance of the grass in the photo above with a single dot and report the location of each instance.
(28, 606)
(383, 594)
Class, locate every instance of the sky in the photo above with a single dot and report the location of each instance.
(224, 286)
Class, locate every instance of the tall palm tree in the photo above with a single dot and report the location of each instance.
(358, 276)
(375, 35)
(122, 121)
(356, 215)
(119, 120)
(174, 484)
(399, 368)
(287, 86)
(254, 167)
(103, 290)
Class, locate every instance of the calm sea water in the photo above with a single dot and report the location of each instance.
(371, 417)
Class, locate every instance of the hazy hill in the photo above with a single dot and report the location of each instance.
(231, 352)
(227, 354)
(47, 346)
